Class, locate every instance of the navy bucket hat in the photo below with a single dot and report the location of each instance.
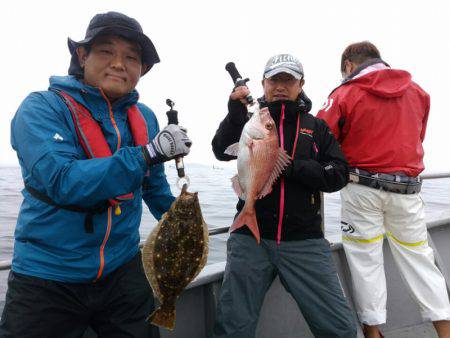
(113, 23)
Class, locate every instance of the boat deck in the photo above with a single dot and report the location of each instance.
(280, 316)
(422, 331)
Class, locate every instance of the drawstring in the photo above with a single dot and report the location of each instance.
(280, 218)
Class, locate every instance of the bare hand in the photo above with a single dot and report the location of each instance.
(240, 93)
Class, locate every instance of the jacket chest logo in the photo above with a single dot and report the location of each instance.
(307, 132)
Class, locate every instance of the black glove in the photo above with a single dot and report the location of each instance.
(288, 172)
(295, 169)
(169, 143)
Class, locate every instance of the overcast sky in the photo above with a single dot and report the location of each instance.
(195, 39)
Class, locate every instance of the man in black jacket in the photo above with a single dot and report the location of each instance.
(292, 242)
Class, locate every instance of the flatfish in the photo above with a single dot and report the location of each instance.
(174, 254)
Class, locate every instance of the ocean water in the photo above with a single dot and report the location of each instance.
(217, 200)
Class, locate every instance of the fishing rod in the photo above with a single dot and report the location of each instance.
(172, 117)
(238, 81)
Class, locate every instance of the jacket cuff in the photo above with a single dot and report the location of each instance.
(146, 156)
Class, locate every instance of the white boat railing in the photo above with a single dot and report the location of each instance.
(6, 264)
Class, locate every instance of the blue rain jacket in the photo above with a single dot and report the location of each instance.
(52, 243)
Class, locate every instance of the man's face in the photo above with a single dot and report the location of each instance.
(282, 86)
(112, 64)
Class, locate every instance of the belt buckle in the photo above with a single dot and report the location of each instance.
(353, 177)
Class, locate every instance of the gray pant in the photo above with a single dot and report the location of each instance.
(305, 269)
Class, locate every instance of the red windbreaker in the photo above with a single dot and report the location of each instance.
(379, 119)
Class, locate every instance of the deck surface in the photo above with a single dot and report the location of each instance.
(421, 331)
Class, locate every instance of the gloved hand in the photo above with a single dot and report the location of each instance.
(169, 143)
(288, 172)
(295, 169)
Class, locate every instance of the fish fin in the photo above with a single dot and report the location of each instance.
(164, 316)
(283, 161)
(233, 149)
(147, 256)
(283, 158)
(237, 187)
(266, 190)
(249, 219)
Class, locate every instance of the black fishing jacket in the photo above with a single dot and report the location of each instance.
(318, 165)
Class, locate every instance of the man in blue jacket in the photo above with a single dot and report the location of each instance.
(89, 153)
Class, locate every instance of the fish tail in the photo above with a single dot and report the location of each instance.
(247, 217)
(164, 316)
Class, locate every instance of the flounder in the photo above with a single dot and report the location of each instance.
(174, 254)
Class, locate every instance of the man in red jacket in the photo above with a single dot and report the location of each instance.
(379, 117)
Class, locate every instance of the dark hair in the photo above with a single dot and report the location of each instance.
(359, 52)
(87, 47)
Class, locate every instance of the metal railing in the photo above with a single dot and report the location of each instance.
(6, 264)
(434, 176)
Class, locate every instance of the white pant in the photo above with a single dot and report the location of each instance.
(366, 214)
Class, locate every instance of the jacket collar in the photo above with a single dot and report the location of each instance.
(91, 97)
(362, 67)
(292, 108)
(358, 70)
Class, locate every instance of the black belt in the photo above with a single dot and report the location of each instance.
(387, 182)
(90, 212)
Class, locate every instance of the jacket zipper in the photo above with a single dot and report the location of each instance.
(117, 208)
(113, 121)
(281, 211)
(282, 188)
(102, 247)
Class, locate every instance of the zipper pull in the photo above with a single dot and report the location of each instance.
(315, 148)
(312, 199)
(117, 210)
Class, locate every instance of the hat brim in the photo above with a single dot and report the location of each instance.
(149, 54)
(279, 70)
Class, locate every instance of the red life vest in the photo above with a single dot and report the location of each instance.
(94, 145)
(93, 140)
